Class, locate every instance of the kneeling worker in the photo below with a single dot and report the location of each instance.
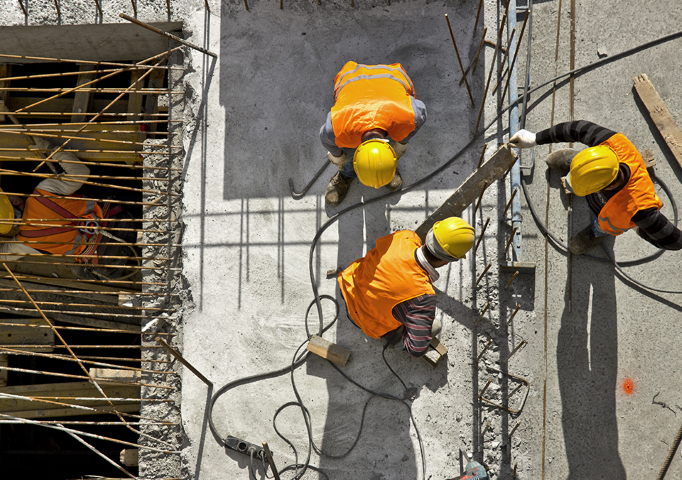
(391, 287)
(372, 105)
(612, 176)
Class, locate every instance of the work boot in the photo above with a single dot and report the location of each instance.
(397, 182)
(560, 160)
(584, 241)
(337, 189)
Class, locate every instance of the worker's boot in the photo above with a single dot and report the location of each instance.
(337, 189)
(560, 160)
(397, 182)
(584, 241)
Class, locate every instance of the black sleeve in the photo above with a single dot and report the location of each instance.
(656, 229)
(580, 131)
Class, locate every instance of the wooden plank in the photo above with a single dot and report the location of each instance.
(664, 121)
(4, 362)
(129, 457)
(115, 375)
(33, 409)
(330, 351)
(15, 337)
(81, 100)
(135, 99)
(470, 190)
(438, 346)
(435, 352)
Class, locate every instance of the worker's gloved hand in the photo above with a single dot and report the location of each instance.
(338, 161)
(523, 139)
(399, 149)
(42, 144)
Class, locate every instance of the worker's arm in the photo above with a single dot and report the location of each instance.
(328, 138)
(12, 251)
(580, 131)
(656, 229)
(416, 315)
(58, 186)
(419, 119)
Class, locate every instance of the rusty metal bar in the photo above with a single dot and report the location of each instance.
(478, 52)
(480, 237)
(485, 388)
(510, 201)
(516, 273)
(518, 44)
(168, 35)
(492, 67)
(74, 177)
(94, 347)
(98, 453)
(134, 7)
(478, 13)
(79, 313)
(34, 126)
(504, 59)
(110, 307)
(480, 160)
(485, 349)
(83, 422)
(142, 91)
(514, 351)
(109, 114)
(268, 454)
(483, 274)
(513, 314)
(30, 278)
(459, 59)
(182, 360)
(483, 313)
(480, 197)
(91, 292)
(511, 238)
(168, 7)
(99, 8)
(123, 267)
(21, 4)
(90, 62)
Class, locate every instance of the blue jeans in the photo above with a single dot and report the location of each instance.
(347, 170)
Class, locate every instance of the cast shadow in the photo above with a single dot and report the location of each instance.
(202, 438)
(587, 364)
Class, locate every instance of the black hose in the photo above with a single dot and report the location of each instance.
(296, 362)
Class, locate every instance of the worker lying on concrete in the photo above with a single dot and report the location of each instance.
(373, 105)
(612, 176)
(59, 223)
(389, 292)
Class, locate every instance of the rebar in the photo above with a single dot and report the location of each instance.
(56, 5)
(246, 5)
(98, 453)
(511, 238)
(116, 307)
(480, 197)
(480, 159)
(671, 455)
(168, 7)
(510, 201)
(518, 44)
(492, 67)
(82, 314)
(480, 236)
(74, 137)
(182, 360)
(459, 59)
(74, 177)
(478, 14)
(513, 314)
(21, 4)
(511, 434)
(482, 313)
(504, 59)
(90, 62)
(484, 389)
(485, 349)
(514, 351)
(83, 422)
(93, 282)
(99, 8)
(33, 126)
(141, 91)
(134, 7)
(483, 274)
(516, 273)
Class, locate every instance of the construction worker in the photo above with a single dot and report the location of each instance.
(53, 221)
(389, 292)
(373, 104)
(612, 176)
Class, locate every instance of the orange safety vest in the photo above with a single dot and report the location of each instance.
(387, 275)
(638, 194)
(74, 212)
(371, 96)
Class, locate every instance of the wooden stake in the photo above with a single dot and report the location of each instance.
(510, 201)
(516, 273)
(483, 312)
(459, 60)
(483, 274)
(513, 314)
(480, 160)
(480, 197)
(480, 236)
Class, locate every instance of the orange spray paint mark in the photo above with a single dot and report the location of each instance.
(628, 386)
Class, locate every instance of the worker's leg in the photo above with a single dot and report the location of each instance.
(589, 237)
(340, 182)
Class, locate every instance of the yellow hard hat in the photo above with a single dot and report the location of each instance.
(455, 236)
(375, 163)
(6, 213)
(593, 169)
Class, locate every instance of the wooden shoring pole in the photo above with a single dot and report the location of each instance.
(492, 68)
(182, 360)
(459, 60)
(66, 345)
(120, 95)
(516, 53)
(480, 236)
(168, 35)
(475, 62)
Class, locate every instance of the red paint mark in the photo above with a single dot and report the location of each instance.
(628, 386)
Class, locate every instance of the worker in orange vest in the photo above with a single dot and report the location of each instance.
(612, 176)
(373, 104)
(54, 219)
(389, 292)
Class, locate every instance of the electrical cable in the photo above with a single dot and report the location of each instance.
(317, 301)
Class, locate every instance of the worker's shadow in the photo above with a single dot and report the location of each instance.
(587, 363)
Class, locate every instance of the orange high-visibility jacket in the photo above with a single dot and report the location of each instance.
(72, 211)
(372, 96)
(388, 275)
(638, 194)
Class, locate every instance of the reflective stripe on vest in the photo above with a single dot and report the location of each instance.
(388, 275)
(372, 96)
(638, 194)
(49, 206)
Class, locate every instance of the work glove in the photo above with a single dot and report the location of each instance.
(399, 149)
(523, 139)
(338, 161)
